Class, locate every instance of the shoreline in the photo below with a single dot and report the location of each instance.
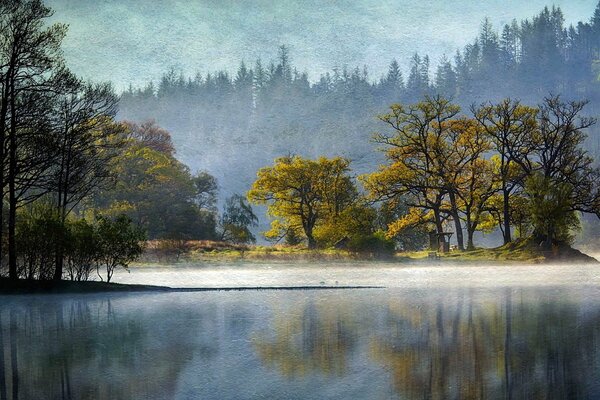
(22, 286)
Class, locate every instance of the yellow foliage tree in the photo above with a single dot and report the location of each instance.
(301, 193)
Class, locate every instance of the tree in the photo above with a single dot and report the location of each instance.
(300, 193)
(206, 190)
(82, 250)
(150, 135)
(119, 243)
(512, 128)
(480, 185)
(40, 235)
(160, 194)
(563, 179)
(402, 224)
(31, 71)
(86, 140)
(551, 209)
(423, 163)
(236, 221)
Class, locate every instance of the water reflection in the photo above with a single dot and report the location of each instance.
(317, 338)
(82, 349)
(516, 346)
(376, 344)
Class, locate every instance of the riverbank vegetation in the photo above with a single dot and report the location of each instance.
(505, 166)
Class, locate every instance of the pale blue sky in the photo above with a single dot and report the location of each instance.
(133, 41)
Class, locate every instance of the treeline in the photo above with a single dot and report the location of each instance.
(272, 108)
(524, 59)
(504, 165)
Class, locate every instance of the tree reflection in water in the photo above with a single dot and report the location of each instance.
(316, 338)
(515, 346)
(416, 344)
(85, 349)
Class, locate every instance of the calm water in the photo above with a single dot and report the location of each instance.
(394, 343)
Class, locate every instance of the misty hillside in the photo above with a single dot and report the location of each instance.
(231, 124)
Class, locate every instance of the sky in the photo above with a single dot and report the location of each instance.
(135, 41)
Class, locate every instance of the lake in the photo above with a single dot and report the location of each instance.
(449, 337)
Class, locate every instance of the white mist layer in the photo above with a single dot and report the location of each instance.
(215, 275)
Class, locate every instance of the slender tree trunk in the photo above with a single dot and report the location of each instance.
(63, 185)
(12, 201)
(3, 120)
(457, 224)
(506, 211)
(438, 220)
(59, 254)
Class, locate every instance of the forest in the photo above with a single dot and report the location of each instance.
(500, 138)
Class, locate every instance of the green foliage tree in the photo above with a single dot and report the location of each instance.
(411, 237)
(41, 236)
(160, 194)
(82, 250)
(119, 243)
(428, 150)
(236, 221)
(551, 209)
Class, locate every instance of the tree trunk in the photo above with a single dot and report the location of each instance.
(58, 270)
(438, 220)
(312, 243)
(470, 230)
(3, 128)
(506, 211)
(457, 224)
(12, 202)
(470, 243)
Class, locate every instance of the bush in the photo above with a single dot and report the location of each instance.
(119, 243)
(40, 237)
(82, 250)
(43, 240)
(375, 243)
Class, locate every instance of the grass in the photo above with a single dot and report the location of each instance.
(201, 251)
(520, 251)
(523, 251)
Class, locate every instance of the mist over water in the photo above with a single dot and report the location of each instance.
(367, 344)
(380, 274)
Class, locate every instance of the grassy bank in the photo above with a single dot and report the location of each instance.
(520, 251)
